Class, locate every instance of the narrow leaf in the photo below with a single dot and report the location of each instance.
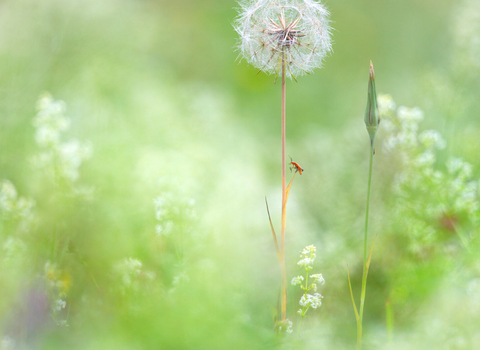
(287, 190)
(351, 294)
(273, 230)
(370, 257)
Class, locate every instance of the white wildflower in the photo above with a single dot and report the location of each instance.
(285, 326)
(8, 196)
(308, 300)
(59, 304)
(307, 263)
(57, 159)
(318, 278)
(289, 327)
(296, 32)
(71, 155)
(131, 273)
(297, 280)
(308, 257)
(13, 248)
(386, 105)
(460, 167)
(410, 115)
(63, 323)
(13, 206)
(50, 121)
(425, 159)
(308, 250)
(432, 139)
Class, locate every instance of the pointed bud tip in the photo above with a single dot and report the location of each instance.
(372, 72)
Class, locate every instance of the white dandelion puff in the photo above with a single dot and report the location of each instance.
(295, 32)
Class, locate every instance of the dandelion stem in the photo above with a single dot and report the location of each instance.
(365, 262)
(284, 202)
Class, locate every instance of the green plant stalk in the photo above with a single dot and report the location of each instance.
(303, 307)
(389, 321)
(365, 265)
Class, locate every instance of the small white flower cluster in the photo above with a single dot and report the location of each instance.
(285, 326)
(467, 34)
(296, 281)
(12, 206)
(59, 159)
(56, 279)
(131, 274)
(18, 210)
(169, 210)
(60, 303)
(448, 198)
(294, 31)
(318, 278)
(308, 300)
(58, 283)
(13, 249)
(308, 257)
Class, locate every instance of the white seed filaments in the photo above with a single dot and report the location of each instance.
(295, 32)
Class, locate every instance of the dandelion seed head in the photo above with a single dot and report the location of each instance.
(296, 31)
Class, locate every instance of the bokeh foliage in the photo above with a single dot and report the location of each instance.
(186, 139)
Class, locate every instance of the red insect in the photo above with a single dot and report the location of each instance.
(296, 166)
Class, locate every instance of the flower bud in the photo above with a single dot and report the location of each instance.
(371, 114)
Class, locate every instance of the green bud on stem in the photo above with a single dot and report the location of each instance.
(371, 113)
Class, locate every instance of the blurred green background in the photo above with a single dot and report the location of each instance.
(185, 138)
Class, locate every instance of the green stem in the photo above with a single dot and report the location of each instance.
(304, 308)
(365, 267)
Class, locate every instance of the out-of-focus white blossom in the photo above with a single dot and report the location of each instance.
(318, 278)
(448, 198)
(59, 304)
(12, 206)
(467, 33)
(386, 104)
(432, 139)
(285, 326)
(297, 280)
(61, 160)
(131, 274)
(170, 209)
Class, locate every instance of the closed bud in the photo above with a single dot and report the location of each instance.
(371, 113)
